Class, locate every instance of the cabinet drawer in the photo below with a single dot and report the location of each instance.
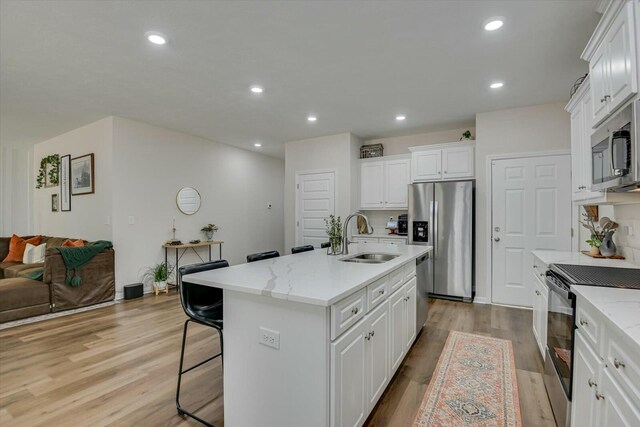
(396, 279)
(394, 241)
(409, 270)
(347, 312)
(377, 292)
(364, 240)
(590, 324)
(624, 365)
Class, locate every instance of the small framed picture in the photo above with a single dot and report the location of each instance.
(54, 202)
(82, 176)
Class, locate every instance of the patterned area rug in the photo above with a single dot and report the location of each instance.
(474, 384)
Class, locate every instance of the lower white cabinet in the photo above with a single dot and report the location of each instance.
(540, 305)
(601, 395)
(385, 240)
(365, 357)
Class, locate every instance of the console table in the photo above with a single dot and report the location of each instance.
(185, 248)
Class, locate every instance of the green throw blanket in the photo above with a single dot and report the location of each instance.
(35, 274)
(74, 258)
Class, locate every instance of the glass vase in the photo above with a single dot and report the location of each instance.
(335, 246)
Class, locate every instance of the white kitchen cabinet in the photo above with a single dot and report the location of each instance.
(365, 239)
(426, 165)
(612, 57)
(410, 314)
(349, 403)
(614, 407)
(383, 183)
(372, 185)
(386, 240)
(458, 162)
(397, 321)
(443, 162)
(378, 346)
(394, 241)
(586, 371)
(540, 309)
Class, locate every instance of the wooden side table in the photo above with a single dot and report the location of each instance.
(186, 247)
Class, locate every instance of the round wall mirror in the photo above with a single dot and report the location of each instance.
(188, 200)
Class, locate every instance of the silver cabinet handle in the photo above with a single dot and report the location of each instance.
(354, 310)
(602, 100)
(599, 395)
(584, 322)
(381, 292)
(607, 97)
(592, 383)
(367, 337)
(541, 274)
(497, 239)
(373, 333)
(618, 363)
(538, 293)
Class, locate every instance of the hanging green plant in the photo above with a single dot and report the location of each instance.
(48, 177)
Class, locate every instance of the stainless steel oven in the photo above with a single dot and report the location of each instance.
(559, 357)
(615, 161)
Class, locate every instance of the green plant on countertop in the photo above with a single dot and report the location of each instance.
(594, 242)
(334, 231)
(41, 179)
(597, 233)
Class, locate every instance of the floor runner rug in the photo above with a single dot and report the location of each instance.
(474, 384)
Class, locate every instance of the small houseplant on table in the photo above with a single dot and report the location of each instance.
(208, 231)
(159, 274)
(334, 231)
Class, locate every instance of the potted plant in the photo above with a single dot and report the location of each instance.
(595, 244)
(597, 234)
(159, 274)
(334, 231)
(208, 231)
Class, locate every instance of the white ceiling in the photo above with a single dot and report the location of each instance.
(354, 64)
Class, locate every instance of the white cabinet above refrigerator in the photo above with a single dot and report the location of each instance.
(443, 162)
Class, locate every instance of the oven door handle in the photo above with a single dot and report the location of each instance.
(557, 289)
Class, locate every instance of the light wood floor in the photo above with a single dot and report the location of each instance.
(118, 366)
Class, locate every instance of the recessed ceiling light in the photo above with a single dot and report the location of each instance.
(400, 118)
(496, 85)
(257, 144)
(155, 37)
(312, 118)
(257, 89)
(493, 24)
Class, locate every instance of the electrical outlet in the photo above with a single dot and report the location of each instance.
(269, 338)
(132, 220)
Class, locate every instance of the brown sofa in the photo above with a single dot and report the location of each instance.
(22, 297)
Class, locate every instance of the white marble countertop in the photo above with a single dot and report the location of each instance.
(310, 277)
(621, 307)
(577, 258)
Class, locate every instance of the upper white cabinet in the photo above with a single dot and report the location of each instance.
(383, 183)
(443, 162)
(612, 57)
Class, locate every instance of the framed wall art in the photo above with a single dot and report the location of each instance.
(65, 183)
(54, 202)
(82, 175)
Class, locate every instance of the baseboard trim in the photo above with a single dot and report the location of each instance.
(481, 300)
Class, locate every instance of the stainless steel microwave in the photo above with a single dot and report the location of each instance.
(615, 161)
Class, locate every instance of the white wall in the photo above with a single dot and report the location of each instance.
(151, 164)
(401, 144)
(16, 189)
(538, 128)
(90, 214)
(335, 152)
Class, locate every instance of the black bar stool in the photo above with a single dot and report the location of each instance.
(325, 245)
(203, 305)
(299, 249)
(262, 255)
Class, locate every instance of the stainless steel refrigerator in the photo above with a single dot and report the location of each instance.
(441, 214)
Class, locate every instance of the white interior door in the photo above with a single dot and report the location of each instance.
(315, 200)
(530, 209)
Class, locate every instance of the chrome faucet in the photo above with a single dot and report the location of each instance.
(345, 230)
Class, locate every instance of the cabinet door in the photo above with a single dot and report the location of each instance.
(372, 185)
(348, 378)
(426, 165)
(396, 181)
(586, 369)
(458, 162)
(598, 70)
(398, 323)
(577, 137)
(378, 369)
(622, 58)
(410, 313)
(616, 409)
(536, 305)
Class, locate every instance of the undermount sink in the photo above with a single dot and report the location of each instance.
(370, 258)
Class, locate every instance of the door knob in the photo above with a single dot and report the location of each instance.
(497, 239)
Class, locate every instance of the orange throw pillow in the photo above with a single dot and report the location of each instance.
(73, 243)
(17, 245)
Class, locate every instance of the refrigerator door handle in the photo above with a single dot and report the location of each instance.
(434, 221)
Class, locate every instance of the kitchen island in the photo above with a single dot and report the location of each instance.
(310, 340)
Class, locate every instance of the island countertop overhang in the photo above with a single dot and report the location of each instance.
(310, 277)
